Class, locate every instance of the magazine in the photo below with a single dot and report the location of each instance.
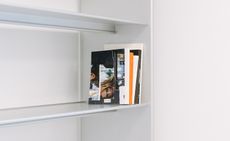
(116, 74)
(103, 78)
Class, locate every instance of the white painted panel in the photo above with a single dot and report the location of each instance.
(42, 59)
(69, 5)
(128, 125)
(192, 70)
(38, 66)
(50, 130)
(125, 9)
(125, 125)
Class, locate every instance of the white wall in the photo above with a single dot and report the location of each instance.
(49, 130)
(192, 70)
(39, 66)
(123, 125)
(127, 125)
(69, 5)
(122, 9)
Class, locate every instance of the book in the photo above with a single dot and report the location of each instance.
(121, 76)
(131, 55)
(116, 74)
(130, 91)
(138, 87)
(135, 74)
(106, 83)
(102, 78)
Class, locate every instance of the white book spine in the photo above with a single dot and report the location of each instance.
(135, 68)
(122, 94)
(126, 91)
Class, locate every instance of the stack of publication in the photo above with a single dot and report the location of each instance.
(116, 74)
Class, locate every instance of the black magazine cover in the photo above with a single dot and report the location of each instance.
(104, 81)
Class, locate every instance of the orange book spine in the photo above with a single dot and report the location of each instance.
(131, 55)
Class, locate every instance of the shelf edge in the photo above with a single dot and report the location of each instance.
(69, 114)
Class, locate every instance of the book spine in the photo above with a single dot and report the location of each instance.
(135, 71)
(130, 93)
(131, 55)
(140, 77)
(120, 75)
(126, 89)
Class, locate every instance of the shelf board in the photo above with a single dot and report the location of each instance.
(59, 18)
(38, 113)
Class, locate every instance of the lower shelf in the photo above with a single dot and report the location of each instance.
(30, 114)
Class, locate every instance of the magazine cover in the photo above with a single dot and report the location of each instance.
(103, 78)
(130, 92)
(120, 68)
(106, 83)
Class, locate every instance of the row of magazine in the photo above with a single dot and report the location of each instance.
(116, 74)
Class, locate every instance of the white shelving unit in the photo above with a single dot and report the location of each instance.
(37, 113)
(57, 18)
(125, 30)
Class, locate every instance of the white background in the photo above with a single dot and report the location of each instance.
(192, 70)
(39, 66)
(69, 5)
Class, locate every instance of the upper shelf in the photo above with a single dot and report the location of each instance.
(57, 18)
(37, 113)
